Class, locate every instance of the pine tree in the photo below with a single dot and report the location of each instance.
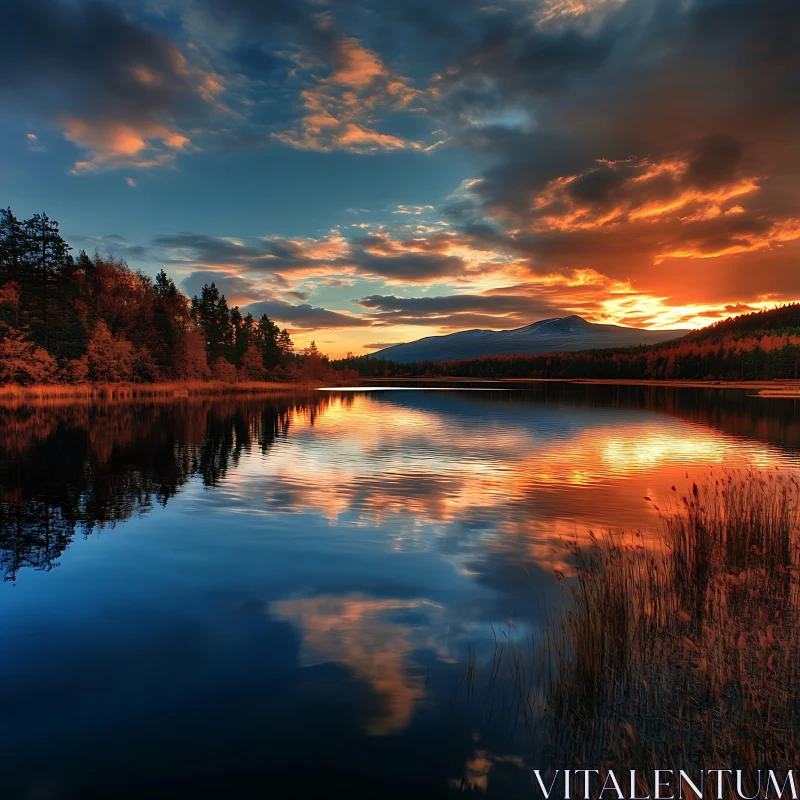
(270, 334)
(212, 314)
(12, 245)
(47, 253)
(285, 345)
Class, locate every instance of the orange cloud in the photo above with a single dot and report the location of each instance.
(358, 67)
(556, 11)
(114, 144)
(356, 138)
(341, 111)
(614, 193)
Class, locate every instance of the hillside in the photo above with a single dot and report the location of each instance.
(561, 334)
(785, 319)
(764, 345)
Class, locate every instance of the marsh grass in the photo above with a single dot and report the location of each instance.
(683, 653)
(13, 394)
(678, 651)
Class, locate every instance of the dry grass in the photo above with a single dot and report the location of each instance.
(12, 394)
(684, 656)
(678, 652)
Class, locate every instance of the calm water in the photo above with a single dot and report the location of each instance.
(278, 597)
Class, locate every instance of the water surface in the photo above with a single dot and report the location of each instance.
(277, 597)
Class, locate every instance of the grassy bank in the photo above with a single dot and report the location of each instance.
(141, 391)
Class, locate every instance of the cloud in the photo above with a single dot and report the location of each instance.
(633, 160)
(379, 345)
(304, 316)
(114, 86)
(340, 111)
(113, 245)
(237, 290)
(395, 256)
(114, 143)
(463, 311)
(659, 131)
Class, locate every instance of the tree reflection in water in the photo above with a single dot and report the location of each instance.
(67, 469)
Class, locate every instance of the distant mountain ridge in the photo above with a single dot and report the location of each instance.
(558, 334)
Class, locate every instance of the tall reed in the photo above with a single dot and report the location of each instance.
(683, 652)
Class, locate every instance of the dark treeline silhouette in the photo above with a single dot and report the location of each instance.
(759, 346)
(76, 319)
(78, 468)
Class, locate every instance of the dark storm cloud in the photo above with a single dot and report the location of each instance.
(516, 60)
(715, 80)
(714, 161)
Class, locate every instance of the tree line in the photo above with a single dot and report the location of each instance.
(764, 345)
(77, 319)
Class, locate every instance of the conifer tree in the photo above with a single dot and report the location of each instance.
(47, 253)
(269, 334)
(285, 345)
(212, 314)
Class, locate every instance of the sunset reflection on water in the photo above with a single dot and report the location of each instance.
(335, 558)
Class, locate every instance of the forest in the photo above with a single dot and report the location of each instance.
(81, 319)
(764, 345)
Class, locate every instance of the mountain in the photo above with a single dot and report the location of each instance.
(560, 334)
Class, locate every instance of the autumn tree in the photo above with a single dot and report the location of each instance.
(252, 367)
(95, 318)
(110, 359)
(21, 361)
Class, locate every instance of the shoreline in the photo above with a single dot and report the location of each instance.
(176, 390)
(765, 388)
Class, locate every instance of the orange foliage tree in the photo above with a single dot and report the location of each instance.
(22, 362)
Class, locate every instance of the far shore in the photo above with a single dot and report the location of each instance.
(772, 388)
(120, 392)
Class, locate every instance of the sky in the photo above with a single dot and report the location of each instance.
(368, 172)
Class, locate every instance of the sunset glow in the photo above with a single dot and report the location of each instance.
(364, 180)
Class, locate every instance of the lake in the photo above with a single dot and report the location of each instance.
(290, 596)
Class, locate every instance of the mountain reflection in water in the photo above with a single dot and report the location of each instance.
(294, 585)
